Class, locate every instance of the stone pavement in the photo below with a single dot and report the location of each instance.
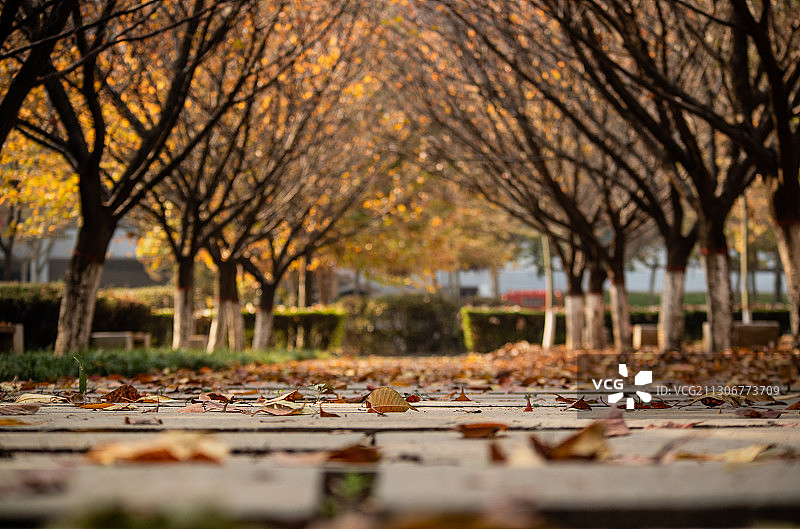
(694, 467)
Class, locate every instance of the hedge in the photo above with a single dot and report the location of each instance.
(488, 328)
(36, 306)
(399, 324)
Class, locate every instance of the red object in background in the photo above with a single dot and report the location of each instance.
(531, 298)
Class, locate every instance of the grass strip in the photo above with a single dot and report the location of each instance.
(45, 366)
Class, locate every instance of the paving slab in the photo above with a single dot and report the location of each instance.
(274, 473)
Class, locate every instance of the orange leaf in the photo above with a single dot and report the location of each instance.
(96, 405)
(463, 397)
(12, 422)
(355, 454)
(528, 406)
(481, 430)
(795, 406)
(412, 398)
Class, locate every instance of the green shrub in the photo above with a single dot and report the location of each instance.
(402, 324)
(155, 297)
(488, 328)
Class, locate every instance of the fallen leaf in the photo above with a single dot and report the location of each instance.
(283, 409)
(412, 398)
(323, 413)
(38, 398)
(614, 423)
(19, 409)
(154, 399)
(673, 425)
(126, 393)
(795, 406)
(715, 400)
(528, 406)
(579, 404)
(758, 414)
(95, 405)
(355, 454)
(291, 396)
(12, 422)
(746, 454)
(480, 430)
(172, 447)
(143, 421)
(496, 455)
(462, 397)
(654, 405)
(589, 444)
(388, 400)
(219, 397)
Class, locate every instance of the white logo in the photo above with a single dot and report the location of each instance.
(642, 378)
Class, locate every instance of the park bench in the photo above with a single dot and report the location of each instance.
(120, 340)
(645, 334)
(754, 334)
(12, 337)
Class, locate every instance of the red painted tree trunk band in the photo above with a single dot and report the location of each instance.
(713, 251)
(787, 222)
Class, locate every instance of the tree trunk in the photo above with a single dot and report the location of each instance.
(227, 322)
(671, 317)
(788, 237)
(574, 313)
(549, 332)
(719, 298)
(595, 321)
(621, 316)
(80, 287)
(183, 315)
(264, 317)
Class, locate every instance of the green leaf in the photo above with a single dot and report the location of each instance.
(81, 376)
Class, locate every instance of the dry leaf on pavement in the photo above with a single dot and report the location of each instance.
(462, 397)
(38, 398)
(355, 454)
(589, 444)
(172, 447)
(481, 430)
(19, 409)
(387, 400)
(126, 393)
(614, 423)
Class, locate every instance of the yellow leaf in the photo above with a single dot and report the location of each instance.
(388, 400)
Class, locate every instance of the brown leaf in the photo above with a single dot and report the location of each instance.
(589, 444)
(481, 430)
(614, 423)
(19, 409)
(579, 404)
(463, 397)
(412, 398)
(323, 413)
(795, 406)
(496, 455)
(388, 400)
(758, 414)
(673, 425)
(126, 393)
(528, 406)
(283, 409)
(355, 454)
(173, 447)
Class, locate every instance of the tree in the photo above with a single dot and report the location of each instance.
(215, 182)
(36, 202)
(116, 112)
